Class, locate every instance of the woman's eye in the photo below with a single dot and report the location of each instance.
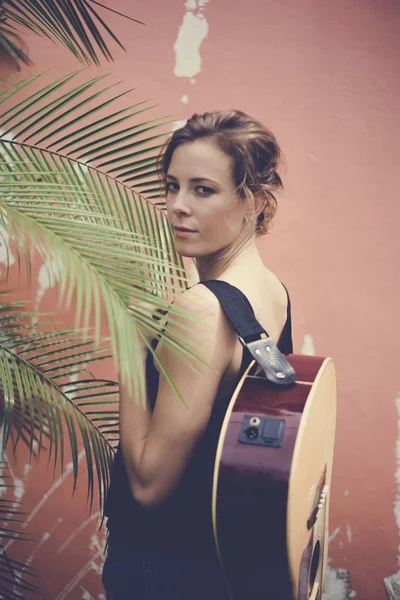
(203, 190)
(171, 187)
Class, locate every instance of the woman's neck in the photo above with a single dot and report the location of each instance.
(224, 264)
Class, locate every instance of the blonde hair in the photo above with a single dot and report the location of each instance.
(253, 148)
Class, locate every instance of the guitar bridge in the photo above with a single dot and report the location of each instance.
(319, 501)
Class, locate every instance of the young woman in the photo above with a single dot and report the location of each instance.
(221, 177)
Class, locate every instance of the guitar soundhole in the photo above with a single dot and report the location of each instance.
(315, 564)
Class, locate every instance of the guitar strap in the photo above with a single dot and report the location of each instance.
(250, 332)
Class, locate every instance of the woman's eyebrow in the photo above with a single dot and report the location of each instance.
(194, 179)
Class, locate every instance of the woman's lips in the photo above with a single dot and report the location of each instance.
(182, 232)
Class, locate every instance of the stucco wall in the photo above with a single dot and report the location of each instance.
(325, 77)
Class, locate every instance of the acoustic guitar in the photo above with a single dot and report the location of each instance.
(272, 476)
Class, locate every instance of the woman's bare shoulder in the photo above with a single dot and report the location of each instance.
(198, 301)
(267, 296)
(200, 325)
(276, 287)
(199, 312)
(260, 286)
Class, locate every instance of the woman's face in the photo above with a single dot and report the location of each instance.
(204, 211)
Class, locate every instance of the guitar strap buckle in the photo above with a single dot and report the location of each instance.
(274, 364)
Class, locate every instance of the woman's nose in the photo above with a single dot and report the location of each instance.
(181, 204)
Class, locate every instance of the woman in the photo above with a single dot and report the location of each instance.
(220, 175)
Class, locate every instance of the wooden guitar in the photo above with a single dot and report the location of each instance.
(272, 479)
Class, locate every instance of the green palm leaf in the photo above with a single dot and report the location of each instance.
(80, 124)
(10, 44)
(76, 25)
(15, 577)
(115, 245)
(46, 388)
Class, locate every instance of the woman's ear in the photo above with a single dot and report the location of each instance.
(260, 202)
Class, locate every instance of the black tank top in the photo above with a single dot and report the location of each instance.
(182, 525)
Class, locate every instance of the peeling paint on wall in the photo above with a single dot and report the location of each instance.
(50, 274)
(192, 32)
(19, 491)
(349, 534)
(88, 596)
(6, 256)
(67, 471)
(45, 537)
(178, 124)
(337, 581)
(80, 169)
(397, 473)
(8, 137)
(78, 577)
(308, 346)
(334, 534)
(392, 583)
(96, 547)
(337, 585)
(77, 532)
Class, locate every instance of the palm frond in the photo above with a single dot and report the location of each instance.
(80, 124)
(116, 246)
(11, 44)
(46, 390)
(16, 578)
(76, 25)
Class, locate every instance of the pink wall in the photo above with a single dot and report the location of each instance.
(325, 77)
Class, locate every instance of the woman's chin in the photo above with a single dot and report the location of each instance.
(186, 252)
(184, 249)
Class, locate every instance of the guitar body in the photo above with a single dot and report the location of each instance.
(271, 484)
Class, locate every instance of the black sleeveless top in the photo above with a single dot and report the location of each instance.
(181, 525)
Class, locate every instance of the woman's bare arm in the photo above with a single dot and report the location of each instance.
(156, 447)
